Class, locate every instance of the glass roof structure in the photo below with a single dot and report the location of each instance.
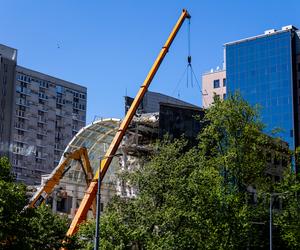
(96, 138)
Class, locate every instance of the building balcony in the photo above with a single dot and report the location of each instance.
(21, 114)
(43, 96)
(19, 151)
(22, 102)
(18, 127)
(42, 108)
(19, 138)
(42, 120)
(77, 117)
(23, 90)
(42, 132)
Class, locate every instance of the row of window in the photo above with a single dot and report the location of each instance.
(23, 90)
(79, 106)
(217, 83)
(45, 84)
(79, 95)
(61, 90)
(43, 96)
(29, 79)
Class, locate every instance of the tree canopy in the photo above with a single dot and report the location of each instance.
(213, 195)
(196, 197)
(25, 229)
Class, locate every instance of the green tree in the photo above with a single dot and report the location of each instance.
(194, 198)
(234, 143)
(25, 229)
(288, 218)
(12, 201)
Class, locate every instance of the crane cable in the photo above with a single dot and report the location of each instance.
(189, 74)
(186, 71)
(189, 71)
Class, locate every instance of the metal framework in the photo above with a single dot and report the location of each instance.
(46, 189)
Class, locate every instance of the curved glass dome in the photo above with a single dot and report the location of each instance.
(96, 138)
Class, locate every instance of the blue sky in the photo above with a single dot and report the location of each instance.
(109, 46)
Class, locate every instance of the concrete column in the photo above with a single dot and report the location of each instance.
(74, 200)
(54, 202)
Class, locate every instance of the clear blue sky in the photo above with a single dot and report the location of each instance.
(109, 46)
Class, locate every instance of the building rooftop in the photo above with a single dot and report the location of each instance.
(213, 71)
(51, 78)
(8, 52)
(269, 32)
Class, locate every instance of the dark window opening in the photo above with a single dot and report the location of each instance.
(216, 84)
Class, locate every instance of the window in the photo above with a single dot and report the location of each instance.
(43, 84)
(224, 82)
(43, 95)
(40, 125)
(20, 132)
(82, 96)
(20, 113)
(59, 89)
(39, 136)
(216, 84)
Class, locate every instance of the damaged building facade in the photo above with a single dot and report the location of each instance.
(174, 119)
(158, 115)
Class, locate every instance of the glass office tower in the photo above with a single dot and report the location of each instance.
(262, 69)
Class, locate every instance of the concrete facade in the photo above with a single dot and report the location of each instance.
(213, 83)
(42, 114)
(7, 94)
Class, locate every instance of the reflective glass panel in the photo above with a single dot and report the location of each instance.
(260, 70)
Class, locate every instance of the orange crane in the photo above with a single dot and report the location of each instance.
(104, 165)
(46, 189)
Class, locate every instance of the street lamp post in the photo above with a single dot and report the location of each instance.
(98, 204)
(271, 239)
(98, 208)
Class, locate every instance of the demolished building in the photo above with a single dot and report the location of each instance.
(170, 116)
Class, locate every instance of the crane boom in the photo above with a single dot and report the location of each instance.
(104, 165)
(46, 189)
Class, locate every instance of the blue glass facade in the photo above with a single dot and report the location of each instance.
(260, 69)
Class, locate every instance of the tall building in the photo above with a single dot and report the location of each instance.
(8, 62)
(265, 69)
(39, 116)
(213, 83)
